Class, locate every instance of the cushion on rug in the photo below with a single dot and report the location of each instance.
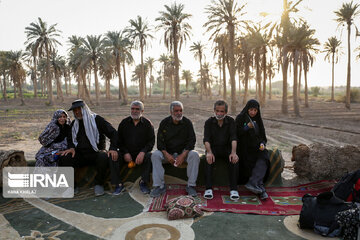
(182, 207)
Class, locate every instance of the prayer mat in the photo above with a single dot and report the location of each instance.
(281, 201)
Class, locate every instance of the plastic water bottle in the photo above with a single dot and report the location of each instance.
(55, 155)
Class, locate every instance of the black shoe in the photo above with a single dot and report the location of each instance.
(143, 187)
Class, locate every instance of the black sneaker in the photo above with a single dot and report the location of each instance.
(263, 196)
(157, 191)
(143, 187)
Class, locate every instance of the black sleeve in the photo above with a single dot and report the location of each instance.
(150, 134)
(191, 140)
(232, 130)
(104, 127)
(161, 137)
(262, 133)
(121, 140)
(207, 131)
(239, 124)
(69, 136)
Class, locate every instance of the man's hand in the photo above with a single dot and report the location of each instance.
(250, 125)
(169, 157)
(140, 158)
(180, 159)
(113, 154)
(127, 157)
(67, 151)
(210, 158)
(233, 158)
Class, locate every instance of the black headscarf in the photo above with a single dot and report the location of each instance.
(259, 129)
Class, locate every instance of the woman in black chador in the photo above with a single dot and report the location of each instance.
(254, 159)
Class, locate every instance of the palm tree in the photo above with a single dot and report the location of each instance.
(17, 71)
(187, 76)
(150, 64)
(164, 59)
(225, 14)
(198, 49)
(176, 32)
(4, 62)
(282, 43)
(31, 55)
(114, 41)
(44, 40)
(107, 65)
(94, 47)
(222, 42)
(271, 73)
(346, 14)
(56, 62)
(126, 58)
(139, 32)
(332, 50)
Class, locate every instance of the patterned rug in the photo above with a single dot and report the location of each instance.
(281, 201)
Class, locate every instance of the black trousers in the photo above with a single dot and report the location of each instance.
(115, 167)
(233, 172)
(91, 158)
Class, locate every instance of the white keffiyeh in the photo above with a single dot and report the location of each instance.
(91, 130)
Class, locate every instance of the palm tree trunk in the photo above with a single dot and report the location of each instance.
(4, 88)
(97, 88)
(79, 86)
(258, 76)
(15, 90)
(299, 84)
(66, 85)
(48, 77)
(85, 89)
(224, 74)
(141, 90)
(284, 66)
(121, 87)
(246, 79)
(270, 93)
(201, 80)
(171, 86)
(306, 89)
(232, 68)
(21, 94)
(125, 85)
(264, 77)
(187, 87)
(176, 58)
(348, 78)
(332, 77)
(164, 83)
(295, 96)
(35, 78)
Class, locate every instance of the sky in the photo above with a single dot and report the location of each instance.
(94, 17)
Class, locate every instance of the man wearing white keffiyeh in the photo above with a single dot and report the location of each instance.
(87, 146)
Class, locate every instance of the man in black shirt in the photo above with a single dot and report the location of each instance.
(175, 142)
(220, 144)
(87, 143)
(136, 139)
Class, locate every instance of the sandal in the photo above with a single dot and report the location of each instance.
(208, 194)
(234, 195)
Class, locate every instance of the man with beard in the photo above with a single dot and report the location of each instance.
(136, 139)
(175, 142)
(87, 143)
(220, 144)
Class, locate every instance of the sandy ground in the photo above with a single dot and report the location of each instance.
(324, 122)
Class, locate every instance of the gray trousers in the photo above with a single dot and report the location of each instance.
(258, 172)
(157, 159)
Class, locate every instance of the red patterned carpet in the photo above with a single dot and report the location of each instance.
(281, 201)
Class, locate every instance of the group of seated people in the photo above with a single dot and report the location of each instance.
(240, 143)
